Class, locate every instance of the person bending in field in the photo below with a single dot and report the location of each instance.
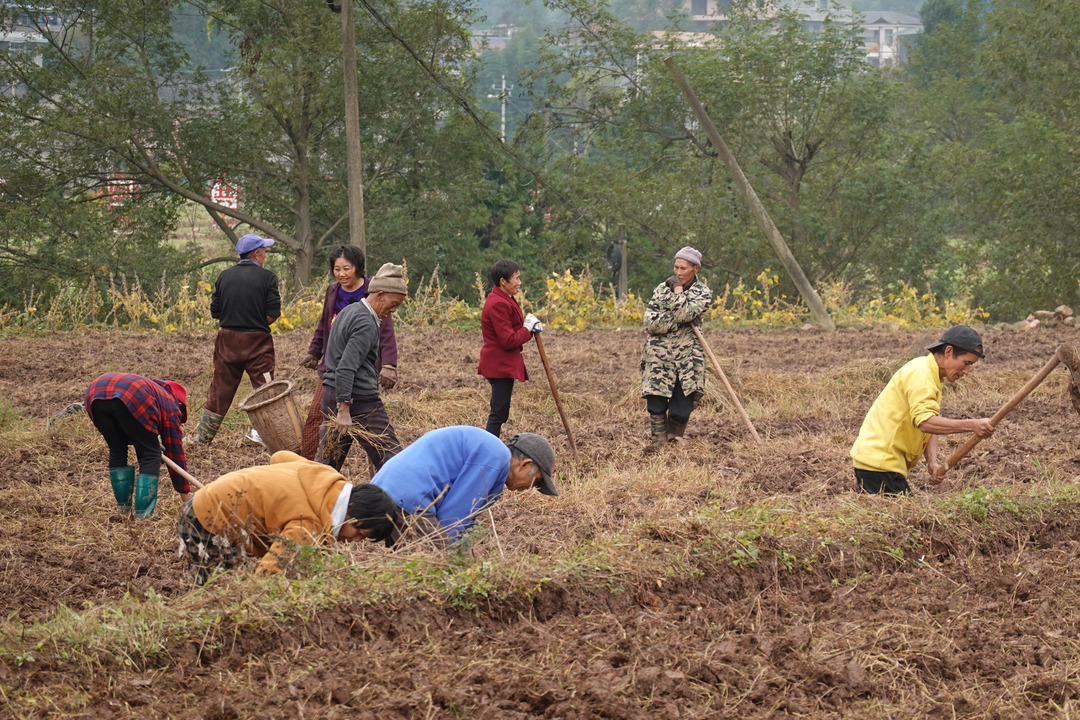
(350, 396)
(448, 476)
(266, 511)
(350, 286)
(146, 414)
(905, 420)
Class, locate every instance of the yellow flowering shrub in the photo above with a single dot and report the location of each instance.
(572, 304)
(429, 306)
(906, 308)
(761, 305)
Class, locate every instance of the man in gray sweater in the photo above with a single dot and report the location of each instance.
(351, 382)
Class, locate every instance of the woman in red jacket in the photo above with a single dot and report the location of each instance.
(505, 329)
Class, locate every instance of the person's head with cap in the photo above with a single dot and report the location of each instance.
(179, 393)
(253, 247)
(956, 351)
(387, 289)
(532, 461)
(687, 264)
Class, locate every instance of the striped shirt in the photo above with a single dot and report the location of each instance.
(152, 406)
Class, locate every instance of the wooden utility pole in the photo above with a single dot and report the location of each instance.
(813, 301)
(354, 158)
(621, 291)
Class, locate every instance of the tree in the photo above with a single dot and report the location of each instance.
(803, 111)
(115, 93)
(994, 87)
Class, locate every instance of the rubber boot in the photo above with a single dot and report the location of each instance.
(675, 431)
(209, 424)
(658, 433)
(123, 485)
(145, 495)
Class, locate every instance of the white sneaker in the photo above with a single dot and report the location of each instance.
(254, 437)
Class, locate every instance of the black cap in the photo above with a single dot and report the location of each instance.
(537, 449)
(960, 337)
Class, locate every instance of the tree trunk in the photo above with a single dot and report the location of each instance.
(305, 242)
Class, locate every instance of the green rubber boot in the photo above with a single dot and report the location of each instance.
(209, 424)
(123, 485)
(145, 496)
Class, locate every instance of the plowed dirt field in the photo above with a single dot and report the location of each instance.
(973, 618)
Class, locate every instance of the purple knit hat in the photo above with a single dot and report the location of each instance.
(690, 255)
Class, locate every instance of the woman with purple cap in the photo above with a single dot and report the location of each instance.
(672, 361)
(245, 303)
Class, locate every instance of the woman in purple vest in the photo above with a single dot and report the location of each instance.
(347, 265)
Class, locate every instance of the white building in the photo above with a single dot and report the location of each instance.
(884, 32)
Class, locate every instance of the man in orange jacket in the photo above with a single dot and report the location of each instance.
(268, 510)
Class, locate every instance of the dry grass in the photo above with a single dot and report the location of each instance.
(721, 578)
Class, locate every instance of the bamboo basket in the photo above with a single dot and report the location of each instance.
(274, 414)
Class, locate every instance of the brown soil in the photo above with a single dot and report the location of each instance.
(980, 626)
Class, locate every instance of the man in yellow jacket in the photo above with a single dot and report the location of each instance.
(905, 420)
(270, 509)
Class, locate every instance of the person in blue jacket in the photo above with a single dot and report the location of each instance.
(448, 476)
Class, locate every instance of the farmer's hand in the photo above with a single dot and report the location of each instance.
(696, 322)
(532, 324)
(387, 377)
(344, 419)
(674, 284)
(311, 362)
(982, 427)
(937, 473)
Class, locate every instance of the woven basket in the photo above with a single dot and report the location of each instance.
(273, 413)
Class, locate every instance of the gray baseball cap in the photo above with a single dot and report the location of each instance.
(537, 449)
(960, 337)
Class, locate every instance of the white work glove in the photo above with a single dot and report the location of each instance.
(532, 324)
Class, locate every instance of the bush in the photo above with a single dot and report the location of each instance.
(571, 304)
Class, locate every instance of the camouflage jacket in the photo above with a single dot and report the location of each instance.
(671, 351)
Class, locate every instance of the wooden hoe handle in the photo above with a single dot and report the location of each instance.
(723, 378)
(555, 394)
(180, 471)
(1005, 410)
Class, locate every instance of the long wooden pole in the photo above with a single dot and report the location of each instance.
(813, 301)
(622, 262)
(1022, 393)
(723, 378)
(555, 394)
(180, 471)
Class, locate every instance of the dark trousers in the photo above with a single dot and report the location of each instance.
(120, 429)
(678, 406)
(371, 428)
(311, 426)
(501, 390)
(881, 483)
(237, 352)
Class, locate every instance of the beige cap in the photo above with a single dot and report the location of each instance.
(390, 278)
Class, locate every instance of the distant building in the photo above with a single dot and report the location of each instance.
(886, 34)
(25, 31)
